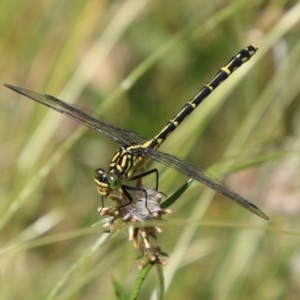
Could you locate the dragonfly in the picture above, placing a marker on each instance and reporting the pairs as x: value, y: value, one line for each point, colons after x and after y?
x: 134, y: 151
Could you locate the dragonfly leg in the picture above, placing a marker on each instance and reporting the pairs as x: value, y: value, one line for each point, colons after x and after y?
x: 102, y: 204
x: 125, y: 189
x: 144, y: 174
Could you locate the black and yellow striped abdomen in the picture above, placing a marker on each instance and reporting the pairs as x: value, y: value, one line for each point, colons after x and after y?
x: 233, y: 64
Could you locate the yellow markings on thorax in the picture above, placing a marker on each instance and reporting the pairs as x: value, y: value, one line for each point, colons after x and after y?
x: 136, y: 162
x: 126, y: 163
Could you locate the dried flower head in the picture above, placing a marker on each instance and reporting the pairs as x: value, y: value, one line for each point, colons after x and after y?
x: 144, y: 207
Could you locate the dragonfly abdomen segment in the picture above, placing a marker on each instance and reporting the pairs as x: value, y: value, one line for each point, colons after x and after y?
x: 171, y: 126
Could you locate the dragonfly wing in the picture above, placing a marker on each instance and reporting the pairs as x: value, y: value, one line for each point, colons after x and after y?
x: 82, y: 115
x: 186, y: 168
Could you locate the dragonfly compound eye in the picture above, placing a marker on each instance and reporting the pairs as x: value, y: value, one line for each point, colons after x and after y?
x: 113, y: 181
x: 100, y: 175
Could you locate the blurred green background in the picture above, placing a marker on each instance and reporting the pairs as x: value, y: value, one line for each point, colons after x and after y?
x: 136, y: 63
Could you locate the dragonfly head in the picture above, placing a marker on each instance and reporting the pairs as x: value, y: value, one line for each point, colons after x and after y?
x: 106, y: 182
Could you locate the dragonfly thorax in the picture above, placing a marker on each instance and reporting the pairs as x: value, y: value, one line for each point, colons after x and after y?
x: 127, y: 161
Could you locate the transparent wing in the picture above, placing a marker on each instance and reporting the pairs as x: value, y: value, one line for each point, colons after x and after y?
x: 82, y: 115
x: 184, y: 167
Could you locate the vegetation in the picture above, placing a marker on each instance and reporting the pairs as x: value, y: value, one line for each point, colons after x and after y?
x: 136, y: 63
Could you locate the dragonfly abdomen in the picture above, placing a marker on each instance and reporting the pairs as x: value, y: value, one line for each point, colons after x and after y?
x: 233, y: 64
